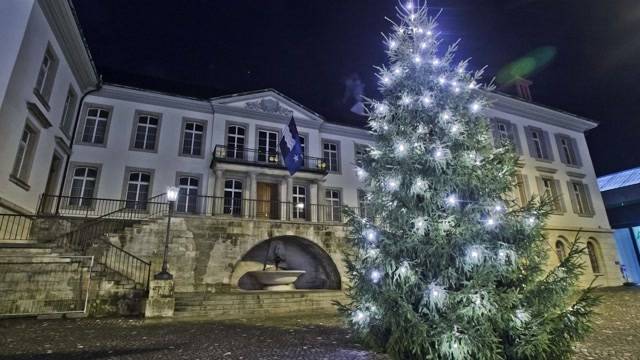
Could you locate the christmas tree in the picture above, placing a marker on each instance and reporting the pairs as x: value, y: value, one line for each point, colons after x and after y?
x: 445, y: 264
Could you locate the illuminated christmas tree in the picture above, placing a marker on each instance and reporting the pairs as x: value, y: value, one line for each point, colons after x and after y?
x: 446, y: 264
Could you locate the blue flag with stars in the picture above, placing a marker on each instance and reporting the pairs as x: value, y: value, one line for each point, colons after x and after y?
x: 291, y: 148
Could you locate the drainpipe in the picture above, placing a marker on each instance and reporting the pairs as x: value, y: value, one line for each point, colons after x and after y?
x: 73, y: 136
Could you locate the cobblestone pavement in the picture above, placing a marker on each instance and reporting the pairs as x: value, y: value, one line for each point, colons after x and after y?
x: 617, y: 336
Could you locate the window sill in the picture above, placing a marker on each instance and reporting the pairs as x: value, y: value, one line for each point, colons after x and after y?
x: 21, y: 183
x: 586, y: 215
x: 41, y: 99
x: 548, y: 161
x: 90, y: 144
x: 153, y: 151
x: 191, y: 156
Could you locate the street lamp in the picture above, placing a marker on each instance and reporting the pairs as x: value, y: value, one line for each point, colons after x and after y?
x: 172, y: 196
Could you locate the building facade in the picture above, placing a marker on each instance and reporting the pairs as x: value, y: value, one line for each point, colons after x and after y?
x: 621, y: 195
x: 127, y: 145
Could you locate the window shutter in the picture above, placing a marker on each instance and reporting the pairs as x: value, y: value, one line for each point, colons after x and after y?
x: 532, y: 151
x: 560, y: 196
x: 494, y: 131
x: 547, y: 146
x: 587, y: 194
x: 572, y: 196
x: 563, y: 158
x: 515, y: 137
x: 576, y: 152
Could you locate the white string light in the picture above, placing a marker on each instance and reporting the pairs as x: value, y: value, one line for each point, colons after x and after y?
x: 427, y: 100
x: 393, y: 184
x: 452, y: 200
x: 401, y: 149
x: 375, y: 276
x: 393, y: 44
x: 475, y: 107
x: 361, y: 173
x: 381, y: 108
x: 442, y: 80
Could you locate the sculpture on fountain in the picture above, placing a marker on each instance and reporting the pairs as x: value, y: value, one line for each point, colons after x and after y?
x: 278, y: 276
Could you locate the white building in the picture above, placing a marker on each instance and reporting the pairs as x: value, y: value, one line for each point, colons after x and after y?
x: 130, y: 144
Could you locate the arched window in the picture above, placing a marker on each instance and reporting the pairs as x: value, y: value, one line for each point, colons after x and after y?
x: 593, y: 257
x: 561, y: 250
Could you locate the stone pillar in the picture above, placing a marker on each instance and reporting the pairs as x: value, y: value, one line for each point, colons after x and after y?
x: 253, y: 195
x: 161, y: 301
x: 322, y: 211
x: 218, y: 193
x: 313, y: 201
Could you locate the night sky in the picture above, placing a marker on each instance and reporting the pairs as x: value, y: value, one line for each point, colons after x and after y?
x: 588, y: 52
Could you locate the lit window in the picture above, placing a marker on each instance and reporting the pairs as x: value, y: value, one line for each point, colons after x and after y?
x: 299, y: 202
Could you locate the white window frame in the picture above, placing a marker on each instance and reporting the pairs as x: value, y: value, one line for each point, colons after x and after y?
x: 189, y: 193
x: 82, y: 200
x: 66, y: 123
x: 191, y: 134
x: 98, y: 119
x: 229, y: 209
x: 148, y: 128
x: 333, y: 205
x: 299, y: 198
x: 139, y: 203
x: 266, y: 153
x: 326, y: 156
x: 233, y: 150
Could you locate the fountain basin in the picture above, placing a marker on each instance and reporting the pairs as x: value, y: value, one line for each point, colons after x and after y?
x: 277, y: 280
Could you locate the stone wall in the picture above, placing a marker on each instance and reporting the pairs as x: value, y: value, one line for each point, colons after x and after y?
x: 206, y: 254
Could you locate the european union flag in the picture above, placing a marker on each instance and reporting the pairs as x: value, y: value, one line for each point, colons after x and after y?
x: 290, y: 147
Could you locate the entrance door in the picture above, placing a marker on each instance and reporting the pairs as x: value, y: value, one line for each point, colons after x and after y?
x: 267, y: 201
x: 52, y: 184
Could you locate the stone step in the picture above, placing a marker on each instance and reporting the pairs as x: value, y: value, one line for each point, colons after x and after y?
x: 32, y: 259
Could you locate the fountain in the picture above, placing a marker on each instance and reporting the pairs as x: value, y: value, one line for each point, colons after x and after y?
x: 277, y: 277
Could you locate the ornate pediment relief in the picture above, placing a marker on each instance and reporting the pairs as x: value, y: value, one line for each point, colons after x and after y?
x: 271, y: 106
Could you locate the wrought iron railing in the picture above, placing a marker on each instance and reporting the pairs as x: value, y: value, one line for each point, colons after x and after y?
x: 91, y: 207
x: 260, y: 209
x: 90, y: 238
x: 264, y: 158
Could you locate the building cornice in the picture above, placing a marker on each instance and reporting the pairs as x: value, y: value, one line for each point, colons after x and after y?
x: 539, y: 113
x: 61, y: 18
x: 119, y: 92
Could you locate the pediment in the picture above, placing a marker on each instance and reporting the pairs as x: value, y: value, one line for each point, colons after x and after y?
x: 269, y: 102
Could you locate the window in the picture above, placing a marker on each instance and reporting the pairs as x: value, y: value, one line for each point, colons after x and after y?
x: 95, y: 126
x: 561, y: 251
x: 593, y: 257
x: 521, y: 188
x: 83, y: 186
x: 362, y: 203
x: 538, y: 144
x: 235, y: 142
x: 267, y: 146
x: 138, y: 190
x: 568, y: 150
x: 302, y: 148
x: 330, y: 156
x: 146, y: 132
x: 232, y: 197
x: 46, y: 75
x: 187, y: 194
x: 504, y: 132
x: 334, y: 208
x: 24, y: 156
x: 360, y: 152
x: 67, y: 112
x: 193, y: 138
x: 580, y: 198
x: 551, y: 188
x: 299, y: 202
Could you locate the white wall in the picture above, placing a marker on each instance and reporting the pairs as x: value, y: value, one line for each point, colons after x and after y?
x: 21, y: 82
x: 116, y: 156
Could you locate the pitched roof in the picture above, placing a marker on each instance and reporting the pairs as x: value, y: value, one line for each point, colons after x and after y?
x: 620, y: 179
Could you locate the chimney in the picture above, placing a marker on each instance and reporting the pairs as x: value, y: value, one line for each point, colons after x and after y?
x: 522, y: 88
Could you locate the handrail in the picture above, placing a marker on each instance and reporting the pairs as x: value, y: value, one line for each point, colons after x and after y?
x: 114, y: 257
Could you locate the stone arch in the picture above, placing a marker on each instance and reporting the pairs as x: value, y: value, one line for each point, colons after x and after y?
x: 594, y: 253
x: 301, y: 254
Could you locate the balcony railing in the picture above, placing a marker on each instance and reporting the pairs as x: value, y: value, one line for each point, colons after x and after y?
x: 262, y: 158
x: 261, y: 209
x: 96, y: 207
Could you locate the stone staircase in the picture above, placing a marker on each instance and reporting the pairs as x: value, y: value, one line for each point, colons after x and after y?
x: 38, y: 279
x: 241, y: 304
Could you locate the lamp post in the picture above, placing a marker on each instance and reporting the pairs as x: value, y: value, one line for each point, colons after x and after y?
x: 172, y: 195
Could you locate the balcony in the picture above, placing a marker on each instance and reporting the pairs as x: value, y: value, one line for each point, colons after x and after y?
x: 264, y: 159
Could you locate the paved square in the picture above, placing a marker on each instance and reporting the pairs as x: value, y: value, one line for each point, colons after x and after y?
x: 617, y: 336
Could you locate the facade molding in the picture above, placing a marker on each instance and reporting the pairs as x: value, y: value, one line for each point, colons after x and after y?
x: 144, y: 96
x: 66, y: 29
x: 38, y: 115
x: 535, y: 112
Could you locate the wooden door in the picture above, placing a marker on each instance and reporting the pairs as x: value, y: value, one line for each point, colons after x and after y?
x: 267, y: 201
